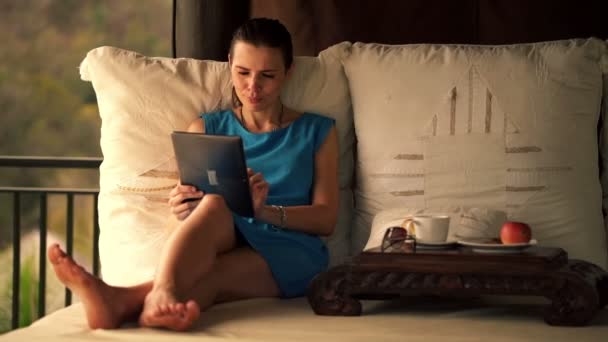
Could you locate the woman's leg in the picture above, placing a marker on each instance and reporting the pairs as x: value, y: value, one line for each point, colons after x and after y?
x: 106, y: 306
x: 241, y: 273
x: 190, y: 253
x: 238, y: 274
x: 187, y: 242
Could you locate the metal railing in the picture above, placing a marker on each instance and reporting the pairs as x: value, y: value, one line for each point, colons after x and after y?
x: 47, y: 162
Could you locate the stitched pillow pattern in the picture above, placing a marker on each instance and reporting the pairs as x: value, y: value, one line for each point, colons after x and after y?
x: 510, y: 127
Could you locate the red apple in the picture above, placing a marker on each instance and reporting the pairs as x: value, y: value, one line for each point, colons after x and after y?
x: 515, y: 232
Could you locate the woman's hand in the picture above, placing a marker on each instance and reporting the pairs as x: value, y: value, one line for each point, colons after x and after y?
x: 259, y: 190
x: 183, y: 199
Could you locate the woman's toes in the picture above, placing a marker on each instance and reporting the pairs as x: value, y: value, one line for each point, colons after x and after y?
x: 192, y: 305
x: 192, y: 310
x: 55, y: 254
x: 165, y: 309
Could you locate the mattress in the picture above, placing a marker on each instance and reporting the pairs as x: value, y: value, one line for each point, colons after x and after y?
x: 412, y: 319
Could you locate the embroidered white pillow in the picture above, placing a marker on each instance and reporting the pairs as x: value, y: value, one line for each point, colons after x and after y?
x: 508, y: 127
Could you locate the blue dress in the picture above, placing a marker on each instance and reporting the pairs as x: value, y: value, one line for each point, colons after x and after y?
x: 285, y: 157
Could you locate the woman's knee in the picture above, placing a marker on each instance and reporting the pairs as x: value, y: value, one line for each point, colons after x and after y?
x: 213, y: 218
x: 213, y: 203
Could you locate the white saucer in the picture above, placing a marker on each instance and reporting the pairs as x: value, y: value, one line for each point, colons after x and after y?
x: 435, y: 245
x: 481, y: 246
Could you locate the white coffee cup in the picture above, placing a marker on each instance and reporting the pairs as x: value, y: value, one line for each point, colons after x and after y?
x: 428, y: 228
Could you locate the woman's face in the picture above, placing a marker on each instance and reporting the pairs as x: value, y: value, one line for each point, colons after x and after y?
x: 257, y: 74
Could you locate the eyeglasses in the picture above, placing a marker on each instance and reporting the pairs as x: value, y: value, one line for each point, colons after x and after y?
x: 397, y: 240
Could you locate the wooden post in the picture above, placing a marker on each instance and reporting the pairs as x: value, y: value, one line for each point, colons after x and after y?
x: 203, y: 28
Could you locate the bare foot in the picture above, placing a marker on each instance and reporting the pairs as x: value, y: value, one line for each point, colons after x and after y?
x: 106, y: 307
x: 161, y: 309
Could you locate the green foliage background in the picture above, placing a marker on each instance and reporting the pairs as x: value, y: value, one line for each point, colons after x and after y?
x: 46, y: 110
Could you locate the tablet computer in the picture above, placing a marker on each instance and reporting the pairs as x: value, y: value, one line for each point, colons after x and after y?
x: 215, y: 164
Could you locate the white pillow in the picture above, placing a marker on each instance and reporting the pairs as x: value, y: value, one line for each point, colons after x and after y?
x: 141, y: 101
x: 508, y: 127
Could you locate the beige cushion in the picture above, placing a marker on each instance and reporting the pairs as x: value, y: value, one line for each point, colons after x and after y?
x: 269, y: 320
x: 141, y: 101
x: 506, y: 127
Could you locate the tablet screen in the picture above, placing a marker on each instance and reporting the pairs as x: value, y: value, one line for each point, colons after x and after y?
x: 215, y: 164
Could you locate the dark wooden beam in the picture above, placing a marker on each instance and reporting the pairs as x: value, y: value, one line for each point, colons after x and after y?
x: 203, y: 28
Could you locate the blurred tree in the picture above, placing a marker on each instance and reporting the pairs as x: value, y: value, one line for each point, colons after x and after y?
x: 45, y: 109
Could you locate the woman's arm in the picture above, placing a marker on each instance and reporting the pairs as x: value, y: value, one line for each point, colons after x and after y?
x: 321, y: 216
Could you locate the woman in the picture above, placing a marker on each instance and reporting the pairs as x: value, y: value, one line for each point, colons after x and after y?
x: 215, y: 255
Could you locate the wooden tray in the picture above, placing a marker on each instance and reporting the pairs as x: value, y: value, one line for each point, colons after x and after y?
x: 576, y: 289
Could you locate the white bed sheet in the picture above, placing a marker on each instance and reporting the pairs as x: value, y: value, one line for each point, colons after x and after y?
x: 422, y: 319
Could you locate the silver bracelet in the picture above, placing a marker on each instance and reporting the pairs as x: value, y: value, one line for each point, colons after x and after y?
x: 282, y: 214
